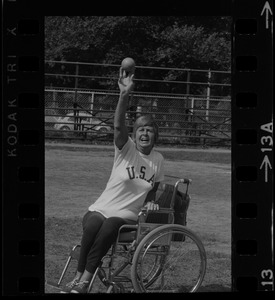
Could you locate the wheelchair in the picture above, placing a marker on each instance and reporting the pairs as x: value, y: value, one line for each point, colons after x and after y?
x: 157, y: 255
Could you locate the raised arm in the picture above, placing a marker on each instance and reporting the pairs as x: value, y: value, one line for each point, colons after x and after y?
x: 126, y: 85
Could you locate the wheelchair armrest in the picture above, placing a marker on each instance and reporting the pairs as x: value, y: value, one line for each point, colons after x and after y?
x: 130, y: 227
x: 161, y: 210
x: 144, y: 213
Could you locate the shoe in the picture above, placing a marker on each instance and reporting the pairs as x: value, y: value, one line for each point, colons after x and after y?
x: 68, y: 287
x: 80, y: 288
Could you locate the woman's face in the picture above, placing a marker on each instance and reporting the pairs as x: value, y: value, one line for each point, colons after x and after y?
x: 145, y: 138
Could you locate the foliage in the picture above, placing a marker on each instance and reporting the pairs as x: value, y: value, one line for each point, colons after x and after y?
x: 157, y: 41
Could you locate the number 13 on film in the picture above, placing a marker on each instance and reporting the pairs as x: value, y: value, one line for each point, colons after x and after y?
x: 267, y: 276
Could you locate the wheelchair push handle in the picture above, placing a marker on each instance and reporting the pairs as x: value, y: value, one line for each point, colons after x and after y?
x: 184, y: 180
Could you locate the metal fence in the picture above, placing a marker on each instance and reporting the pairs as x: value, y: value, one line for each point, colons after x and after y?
x: 183, y: 119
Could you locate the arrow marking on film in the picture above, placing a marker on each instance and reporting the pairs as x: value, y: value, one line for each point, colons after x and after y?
x: 266, y: 10
x: 266, y: 163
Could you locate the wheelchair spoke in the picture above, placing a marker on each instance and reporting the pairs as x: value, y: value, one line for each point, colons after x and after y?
x: 163, y: 263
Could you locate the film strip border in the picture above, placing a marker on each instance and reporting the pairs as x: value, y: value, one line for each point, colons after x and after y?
x: 252, y: 138
x: 23, y: 147
x: 23, y: 151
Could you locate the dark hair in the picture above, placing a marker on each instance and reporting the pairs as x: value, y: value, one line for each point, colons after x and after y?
x: 145, y: 120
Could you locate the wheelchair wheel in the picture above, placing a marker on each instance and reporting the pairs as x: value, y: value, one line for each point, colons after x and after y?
x: 170, y: 259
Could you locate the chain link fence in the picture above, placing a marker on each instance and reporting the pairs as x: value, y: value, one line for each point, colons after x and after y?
x: 190, y: 106
x: 182, y: 119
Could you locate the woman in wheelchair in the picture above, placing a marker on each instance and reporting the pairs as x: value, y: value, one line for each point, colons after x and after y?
x: 136, y: 173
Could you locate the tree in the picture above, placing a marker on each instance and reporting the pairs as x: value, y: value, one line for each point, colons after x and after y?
x: 168, y: 41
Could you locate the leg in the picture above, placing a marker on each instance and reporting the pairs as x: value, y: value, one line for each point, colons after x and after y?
x: 105, y: 238
x: 92, y: 222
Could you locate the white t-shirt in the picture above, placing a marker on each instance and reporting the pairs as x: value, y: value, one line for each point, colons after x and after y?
x: 133, y: 176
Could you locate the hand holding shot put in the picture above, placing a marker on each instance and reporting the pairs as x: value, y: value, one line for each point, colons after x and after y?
x: 125, y: 81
